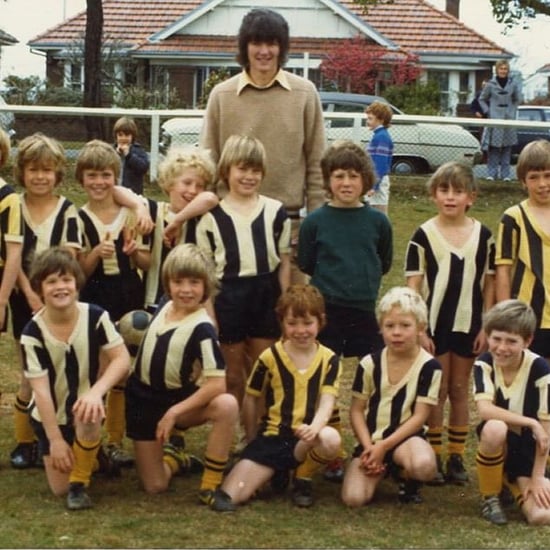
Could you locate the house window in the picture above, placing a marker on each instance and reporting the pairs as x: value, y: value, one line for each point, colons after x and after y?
x: 76, y: 81
x: 441, y: 78
x: 464, y: 86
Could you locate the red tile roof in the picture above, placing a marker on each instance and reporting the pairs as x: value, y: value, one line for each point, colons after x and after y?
x: 413, y: 25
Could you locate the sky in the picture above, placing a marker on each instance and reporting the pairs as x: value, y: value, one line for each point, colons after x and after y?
x: 25, y: 19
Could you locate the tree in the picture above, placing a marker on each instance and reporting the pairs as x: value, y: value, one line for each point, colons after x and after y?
x: 358, y: 66
x: 92, y: 65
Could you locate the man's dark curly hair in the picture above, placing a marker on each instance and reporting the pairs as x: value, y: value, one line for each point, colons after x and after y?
x: 262, y: 25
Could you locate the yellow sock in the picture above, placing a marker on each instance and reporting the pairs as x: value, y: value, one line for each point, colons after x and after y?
x: 85, y: 453
x: 22, y: 421
x: 457, y: 439
x: 311, y: 465
x: 173, y: 464
x: 489, y: 472
x: 213, y: 472
x: 336, y: 423
x: 435, y: 439
x: 115, y: 421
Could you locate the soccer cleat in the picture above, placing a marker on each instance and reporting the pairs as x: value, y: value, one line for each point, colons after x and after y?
x: 177, y: 441
x: 334, y: 470
x: 506, y: 497
x: 119, y: 456
x: 217, y: 500
x: 106, y: 465
x: 77, y: 497
x: 279, y: 481
x: 492, y: 511
x: 188, y: 463
x: 456, y: 473
x: 439, y: 478
x: 409, y: 492
x: 24, y: 455
x: 302, y: 492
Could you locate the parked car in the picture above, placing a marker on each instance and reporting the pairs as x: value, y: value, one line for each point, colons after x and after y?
x: 418, y: 147
x: 535, y: 113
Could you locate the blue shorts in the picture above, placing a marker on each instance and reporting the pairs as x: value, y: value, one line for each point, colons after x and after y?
x: 145, y: 406
x: 273, y: 451
x: 350, y: 332
x: 245, y: 308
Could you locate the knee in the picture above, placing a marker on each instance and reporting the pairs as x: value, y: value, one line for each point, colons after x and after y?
x: 330, y: 441
x: 225, y: 407
x: 353, y: 500
x: 493, y: 435
x: 154, y: 486
x: 538, y: 516
x: 423, y: 467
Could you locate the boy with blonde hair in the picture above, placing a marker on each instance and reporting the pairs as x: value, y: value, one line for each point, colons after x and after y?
x: 511, y: 389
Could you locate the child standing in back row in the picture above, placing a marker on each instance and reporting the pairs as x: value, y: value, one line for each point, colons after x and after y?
x: 248, y: 237
x: 450, y: 262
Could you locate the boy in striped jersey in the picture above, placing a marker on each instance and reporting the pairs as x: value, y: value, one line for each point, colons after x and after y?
x: 179, y: 349
x: 393, y: 392
x: 248, y: 237
x: 450, y: 262
x: 72, y: 356
x: 293, y: 387
x: 512, y: 395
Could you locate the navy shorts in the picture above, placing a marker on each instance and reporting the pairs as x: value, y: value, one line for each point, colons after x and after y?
x: 350, y: 332
x: 67, y: 431
x: 273, y: 451
x: 520, y: 453
x: 145, y: 406
x: 459, y: 343
x: 541, y: 342
x: 20, y: 311
x: 245, y: 308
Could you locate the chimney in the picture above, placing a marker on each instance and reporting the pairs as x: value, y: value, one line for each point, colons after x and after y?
x: 452, y: 7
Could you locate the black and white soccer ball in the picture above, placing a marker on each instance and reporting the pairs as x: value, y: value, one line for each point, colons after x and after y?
x: 132, y: 327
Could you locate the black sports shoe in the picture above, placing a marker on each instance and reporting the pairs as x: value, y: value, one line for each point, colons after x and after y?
x: 106, y: 466
x: 118, y: 455
x: 409, y: 492
x: 279, y: 481
x: 492, y: 511
x: 77, y: 497
x: 24, y: 455
x: 334, y: 470
x: 188, y: 463
x: 456, y: 473
x: 217, y: 500
x: 439, y: 478
x: 302, y: 492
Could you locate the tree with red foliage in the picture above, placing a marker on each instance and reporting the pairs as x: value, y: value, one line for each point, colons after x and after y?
x: 359, y: 66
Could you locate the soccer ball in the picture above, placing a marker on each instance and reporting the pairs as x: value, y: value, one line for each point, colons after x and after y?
x: 132, y: 327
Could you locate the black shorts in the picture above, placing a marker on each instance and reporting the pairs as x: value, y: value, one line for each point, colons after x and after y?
x: 117, y: 294
x: 145, y: 406
x: 460, y: 343
x: 541, y: 343
x: 20, y: 311
x: 67, y: 431
x: 245, y: 308
x: 273, y: 451
x: 350, y: 332
x: 520, y: 453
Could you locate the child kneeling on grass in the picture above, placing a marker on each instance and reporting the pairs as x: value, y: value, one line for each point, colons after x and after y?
x: 299, y: 379
x: 165, y: 391
x: 511, y: 390
x: 62, y: 345
x: 392, y: 394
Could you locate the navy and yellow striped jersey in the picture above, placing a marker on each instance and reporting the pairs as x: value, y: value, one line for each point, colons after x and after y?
x: 59, y: 228
x: 292, y: 396
x: 94, y: 231
x: 245, y: 245
x: 522, y: 244
x: 391, y: 405
x: 529, y: 392
x: 162, y: 215
x: 175, y: 355
x: 454, y: 278
x: 11, y: 221
x: 72, y: 367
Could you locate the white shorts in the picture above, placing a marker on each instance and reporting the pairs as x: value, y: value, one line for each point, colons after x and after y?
x: 382, y: 196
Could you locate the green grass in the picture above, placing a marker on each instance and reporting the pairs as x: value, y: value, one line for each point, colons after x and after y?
x: 124, y: 517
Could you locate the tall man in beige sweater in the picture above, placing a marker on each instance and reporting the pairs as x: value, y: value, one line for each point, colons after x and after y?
x: 279, y: 108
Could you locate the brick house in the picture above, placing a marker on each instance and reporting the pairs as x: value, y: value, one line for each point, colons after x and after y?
x: 176, y: 43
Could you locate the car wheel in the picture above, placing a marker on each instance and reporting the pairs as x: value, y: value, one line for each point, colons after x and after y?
x: 404, y: 167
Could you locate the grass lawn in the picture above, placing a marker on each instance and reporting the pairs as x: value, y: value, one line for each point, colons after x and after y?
x: 125, y: 517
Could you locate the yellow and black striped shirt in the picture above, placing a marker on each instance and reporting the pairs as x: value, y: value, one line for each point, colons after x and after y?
x: 522, y: 244
x: 391, y: 405
x: 291, y: 396
x: 11, y: 221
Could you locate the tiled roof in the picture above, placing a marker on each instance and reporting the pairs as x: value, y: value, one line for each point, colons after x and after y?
x: 414, y: 25
x: 422, y: 28
x: 7, y: 39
